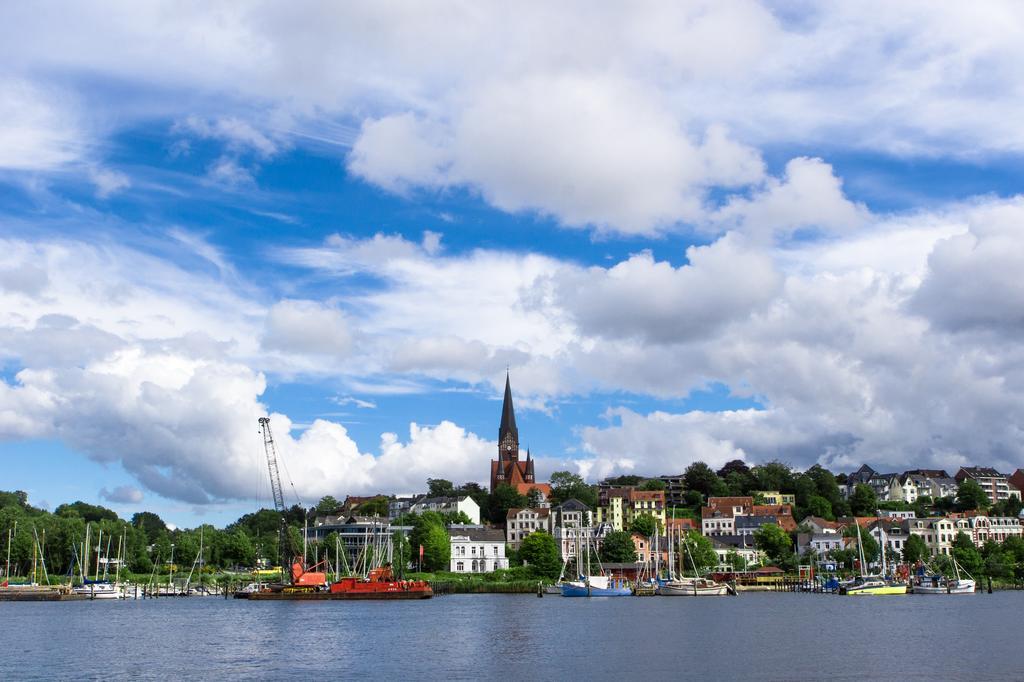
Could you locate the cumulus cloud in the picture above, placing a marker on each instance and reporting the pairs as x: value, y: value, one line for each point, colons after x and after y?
x: 809, y: 196
x: 530, y: 108
x: 307, y: 327
x: 655, y: 301
x: 122, y: 494
x: 973, y: 281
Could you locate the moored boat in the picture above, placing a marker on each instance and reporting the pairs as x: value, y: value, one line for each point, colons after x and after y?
x: 380, y: 584
x: 691, y: 587
x: 943, y: 584
x: 597, y: 586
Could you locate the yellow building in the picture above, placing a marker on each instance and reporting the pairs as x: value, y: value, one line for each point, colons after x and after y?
x: 622, y: 505
x: 774, y: 497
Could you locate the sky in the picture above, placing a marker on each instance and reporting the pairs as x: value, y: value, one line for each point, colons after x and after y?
x: 688, y: 231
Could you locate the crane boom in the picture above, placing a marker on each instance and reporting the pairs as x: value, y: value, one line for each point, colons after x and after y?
x: 275, y: 486
x: 275, y: 476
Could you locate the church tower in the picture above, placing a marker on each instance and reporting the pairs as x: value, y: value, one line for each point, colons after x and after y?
x: 508, y: 469
x: 508, y: 434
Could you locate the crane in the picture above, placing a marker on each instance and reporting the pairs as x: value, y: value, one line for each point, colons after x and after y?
x: 298, y: 575
x: 275, y: 476
x: 278, y: 492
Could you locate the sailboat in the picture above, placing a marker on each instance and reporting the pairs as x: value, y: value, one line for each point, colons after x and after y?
x: 872, y: 584
x: 942, y: 584
x: 696, y: 586
x: 98, y: 588
x: 593, y: 585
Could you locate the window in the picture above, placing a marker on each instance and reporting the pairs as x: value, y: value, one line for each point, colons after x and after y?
x: 459, y: 566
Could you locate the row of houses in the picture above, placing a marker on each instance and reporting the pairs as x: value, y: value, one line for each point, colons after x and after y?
x: 914, y: 484
x: 894, y: 529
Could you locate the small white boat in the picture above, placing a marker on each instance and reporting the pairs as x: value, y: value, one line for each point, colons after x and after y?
x: 99, y: 590
x: 942, y: 584
x: 693, y: 587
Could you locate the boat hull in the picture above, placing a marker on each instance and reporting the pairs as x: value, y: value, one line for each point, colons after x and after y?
x: 963, y: 587
x: 323, y: 595
x: 693, y: 591
x: 874, y: 590
x: 580, y: 589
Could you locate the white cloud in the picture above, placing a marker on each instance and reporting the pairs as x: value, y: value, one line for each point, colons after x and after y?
x: 108, y: 181
x: 809, y: 196
x: 39, y: 128
x: 122, y: 494
x: 655, y: 301
x: 307, y: 327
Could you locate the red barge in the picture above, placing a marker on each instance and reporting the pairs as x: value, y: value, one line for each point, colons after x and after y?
x: 380, y: 584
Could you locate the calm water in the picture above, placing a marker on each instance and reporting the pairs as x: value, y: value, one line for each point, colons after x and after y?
x: 754, y: 636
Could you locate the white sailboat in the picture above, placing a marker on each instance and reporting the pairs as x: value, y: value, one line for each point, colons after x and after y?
x: 942, y: 584
x: 690, y: 587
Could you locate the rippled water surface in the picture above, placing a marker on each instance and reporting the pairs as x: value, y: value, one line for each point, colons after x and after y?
x: 754, y: 637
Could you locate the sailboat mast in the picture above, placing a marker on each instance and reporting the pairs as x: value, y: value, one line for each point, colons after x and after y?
x: 7, y: 570
x: 99, y: 544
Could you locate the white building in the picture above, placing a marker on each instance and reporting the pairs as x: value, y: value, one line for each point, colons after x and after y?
x: 477, y: 550
x: 443, y: 505
x: 569, y: 525
x: 521, y: 522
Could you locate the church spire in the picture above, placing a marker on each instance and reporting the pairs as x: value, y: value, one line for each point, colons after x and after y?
x: 508, y: 416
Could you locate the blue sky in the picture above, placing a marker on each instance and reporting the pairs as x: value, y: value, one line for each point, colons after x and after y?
x: 800, y: 246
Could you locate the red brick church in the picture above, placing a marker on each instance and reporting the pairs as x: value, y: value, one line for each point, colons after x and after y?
x: 508, y: 469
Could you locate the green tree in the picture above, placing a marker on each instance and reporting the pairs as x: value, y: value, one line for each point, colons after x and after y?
x: 151, y: 524
x: 774, y: 476
x: 700, y: 477
x: 970, y: 495
x: 89, y: 512
x: 915, y: 549
x: 617, y: 547
x: 626, y: 480
x: 327, y: 505
x: 966, y: 554
x: 819, y: 506
x: 420, y: 525
x: 645, y: 524
x: 697, y: 551
x: 439, y: 487
x: 437, y: 550
x: 864, y: 501
x: 653, y: 484
x: 774, y: 542
x: 539, y: 552
x: 566, y: 485
x: 505, y: 497
x: 737, y: 466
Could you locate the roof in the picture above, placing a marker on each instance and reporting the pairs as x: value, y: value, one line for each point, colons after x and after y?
x: 443, y: 500
x: 541, y: 512
x: 480, y: 534
x: 928, y: 473
x: 524, y: 488
x: 732, y: 541
x: 572, y: 504
x: 508, y: 415
x: 820, y: 522
x: 744, y: 501
x: 754, y: 521
x: 981, y: 472
x: 769, y: 569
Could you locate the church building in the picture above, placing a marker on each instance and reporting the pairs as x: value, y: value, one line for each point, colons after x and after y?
x: 508, y: 469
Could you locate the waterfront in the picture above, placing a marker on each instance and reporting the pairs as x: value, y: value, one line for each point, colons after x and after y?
x: 754, y: 636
